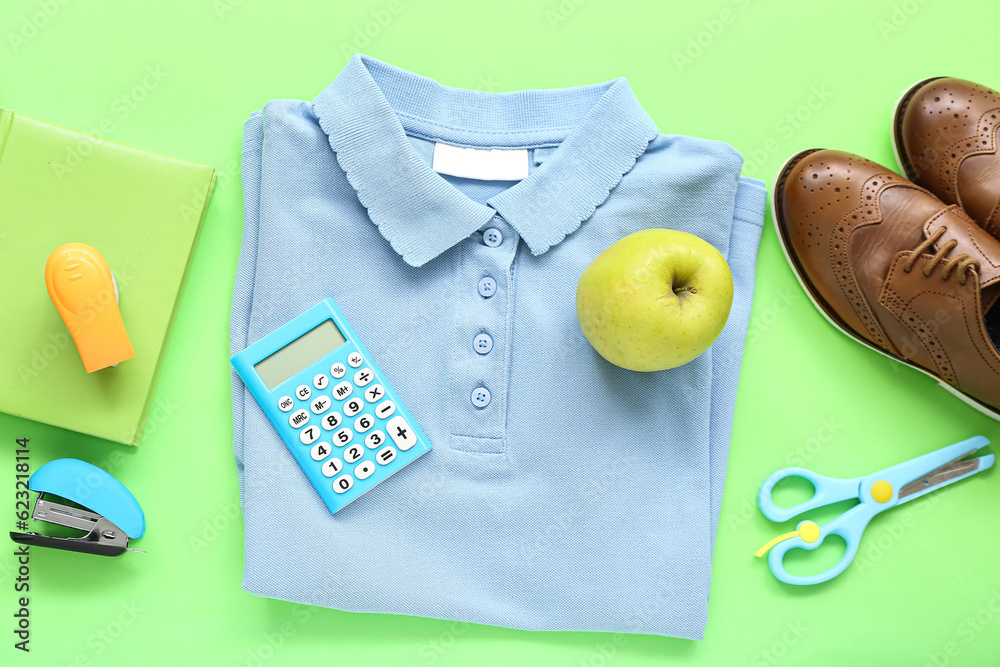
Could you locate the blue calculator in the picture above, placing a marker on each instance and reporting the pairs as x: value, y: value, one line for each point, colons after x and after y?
x: 331, y: 404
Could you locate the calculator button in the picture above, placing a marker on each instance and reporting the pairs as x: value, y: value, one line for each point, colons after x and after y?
x: 353, y: 407
x: 363, y: 423
x: 342, y: 390
x: 321, y: 381
x: 374, y: 439
x: 374, y: 393
x: 385, y: 409
x: 303, y: 392
x: 364, y: 470
x: 320, y: 451
x: 342, y: 437
x: 386, y: 455
x: 338, y: 370
x: 298, y: 419
x: 286, y: 403
x: 343, y: 483
x: 331, y: 421
x: 321, y: 405
x: 401, y: 433
x: 353, y: 453
x: 364, y: 377
x: 332, y: 467
x: 355, y: 359
x: 309, y: 435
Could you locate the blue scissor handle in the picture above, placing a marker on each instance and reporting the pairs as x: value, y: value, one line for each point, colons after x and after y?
x: 850, y: 525
x: 829, y: 490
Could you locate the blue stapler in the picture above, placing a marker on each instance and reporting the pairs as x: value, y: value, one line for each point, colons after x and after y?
x: 109, y: 514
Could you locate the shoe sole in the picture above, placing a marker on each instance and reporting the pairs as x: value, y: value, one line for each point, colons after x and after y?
x: 895, y: 130
x: 827, y: 312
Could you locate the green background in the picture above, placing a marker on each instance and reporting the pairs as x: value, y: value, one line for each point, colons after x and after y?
x: 925, y: 588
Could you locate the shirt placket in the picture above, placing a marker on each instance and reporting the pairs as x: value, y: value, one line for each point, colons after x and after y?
x: 480, y: 357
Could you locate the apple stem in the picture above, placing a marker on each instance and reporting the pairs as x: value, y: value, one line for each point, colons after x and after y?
x: 693, y: 290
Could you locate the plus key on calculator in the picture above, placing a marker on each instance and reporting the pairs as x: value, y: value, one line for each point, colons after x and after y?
x: 331, y: 404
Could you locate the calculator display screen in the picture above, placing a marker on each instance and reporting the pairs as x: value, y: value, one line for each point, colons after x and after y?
x: 299, y: 354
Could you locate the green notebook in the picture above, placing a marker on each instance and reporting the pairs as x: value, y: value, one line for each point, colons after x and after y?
x: 143, y: 212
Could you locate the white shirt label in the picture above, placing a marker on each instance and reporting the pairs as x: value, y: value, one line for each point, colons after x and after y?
x: 482, y: 164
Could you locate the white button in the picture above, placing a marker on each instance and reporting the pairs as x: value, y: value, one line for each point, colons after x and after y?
x: 480, y: 397
x: 332, y: 467
x: 338, y: 370
x: 320, y: 451
x: 321, y: 381
x: 321, y: 405
x: 303, y: 392
x: 342, y: 437
x: 353, y: 407
x: 343, y: 483
x: 364, y: 470
x: 353, y: 453
x: 298, y: 419
x: 363, y: 423
x: 374, y: 439
x: 483, y: 343
x: 386, y: 455
x: 309, y: 435
x: 385, y: 409
x: 487, y: 287
x: 374, y: 393
x: 492, y: 237
x: 342, y: 390
x: 331, y: 421
x: 285, y: 403
x: 355, y: 359
x: 401, y: 433
x: 364, y: 377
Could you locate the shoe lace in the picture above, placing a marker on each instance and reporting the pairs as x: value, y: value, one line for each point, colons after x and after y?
x: 962, y: 262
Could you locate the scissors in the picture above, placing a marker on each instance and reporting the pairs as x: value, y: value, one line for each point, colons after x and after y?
x: 877, y: 492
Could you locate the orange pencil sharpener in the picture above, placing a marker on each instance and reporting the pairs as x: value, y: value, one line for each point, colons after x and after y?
x: 84, y: 292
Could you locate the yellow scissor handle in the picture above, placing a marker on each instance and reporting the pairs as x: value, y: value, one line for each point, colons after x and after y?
x: 807, y: 530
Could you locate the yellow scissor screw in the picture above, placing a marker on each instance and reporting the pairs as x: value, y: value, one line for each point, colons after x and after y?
x: 807, y: 530
x: 882, y: 491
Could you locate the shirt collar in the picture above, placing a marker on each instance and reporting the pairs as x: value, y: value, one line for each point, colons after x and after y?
x: 601, y: 130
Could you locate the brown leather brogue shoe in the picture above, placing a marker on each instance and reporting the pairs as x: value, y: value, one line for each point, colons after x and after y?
x: 894, y: 267
x: 945, y: 137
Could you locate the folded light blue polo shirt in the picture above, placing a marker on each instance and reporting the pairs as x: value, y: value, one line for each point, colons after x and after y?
x: 562, y: 493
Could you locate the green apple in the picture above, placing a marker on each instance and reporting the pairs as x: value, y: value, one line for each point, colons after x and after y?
x: 654, y: 300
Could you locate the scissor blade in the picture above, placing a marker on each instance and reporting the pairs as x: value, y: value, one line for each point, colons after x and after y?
x: 945, y: 475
